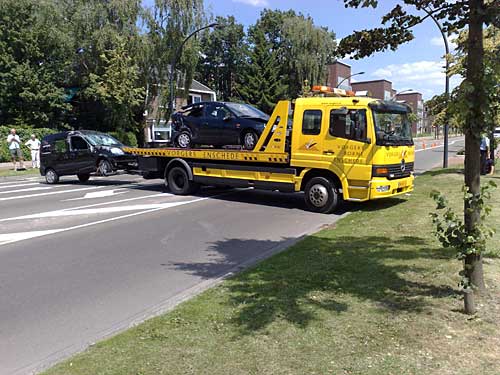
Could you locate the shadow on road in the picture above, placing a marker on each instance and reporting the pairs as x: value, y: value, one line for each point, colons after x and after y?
x: 322, y: 272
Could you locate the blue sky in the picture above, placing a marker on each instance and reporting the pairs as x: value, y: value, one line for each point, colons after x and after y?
x: 416, y: 65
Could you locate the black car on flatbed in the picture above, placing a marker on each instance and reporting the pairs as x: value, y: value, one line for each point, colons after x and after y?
x: 218, y: 124
x: 81, y: 153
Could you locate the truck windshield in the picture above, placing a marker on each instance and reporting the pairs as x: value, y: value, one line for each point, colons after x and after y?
x: 392, y: 126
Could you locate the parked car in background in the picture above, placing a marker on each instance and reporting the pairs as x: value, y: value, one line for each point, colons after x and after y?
x: 81, y: 153
x: 218, y: 124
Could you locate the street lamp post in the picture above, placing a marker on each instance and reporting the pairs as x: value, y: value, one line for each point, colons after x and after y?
x: 447, y: 87
x: 401, y: 92
x: 174, y: 62
x: 345, y: 79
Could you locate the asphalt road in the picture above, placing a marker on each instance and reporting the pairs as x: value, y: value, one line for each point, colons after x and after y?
x: 79, y: 262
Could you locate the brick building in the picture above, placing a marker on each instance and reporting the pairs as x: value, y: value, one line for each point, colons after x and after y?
x: 379, y: 88
x: 338, y: 72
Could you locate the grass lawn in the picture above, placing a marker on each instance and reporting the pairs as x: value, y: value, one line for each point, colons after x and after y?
x: 11, y: 172
x: 374, y: 295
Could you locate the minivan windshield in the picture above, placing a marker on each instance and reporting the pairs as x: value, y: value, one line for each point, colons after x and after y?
x: 392, y: 125
x: 247, y: 111
x: 101, y: 139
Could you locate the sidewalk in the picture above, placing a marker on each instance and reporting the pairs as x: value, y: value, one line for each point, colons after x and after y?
x: 7, y: 170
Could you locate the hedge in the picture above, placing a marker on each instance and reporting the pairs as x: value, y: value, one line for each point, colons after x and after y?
x: 24, y: 133
x: 127, y: 138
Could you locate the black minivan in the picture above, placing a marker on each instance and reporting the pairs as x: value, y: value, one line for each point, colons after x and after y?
x: 82, y: 152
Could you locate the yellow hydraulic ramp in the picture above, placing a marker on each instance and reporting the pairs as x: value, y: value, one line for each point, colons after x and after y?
x: 270, y: 147
x: 274, y: 140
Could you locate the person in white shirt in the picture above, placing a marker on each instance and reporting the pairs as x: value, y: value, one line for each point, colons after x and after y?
x: 34, y: 146
x: 15, y: 148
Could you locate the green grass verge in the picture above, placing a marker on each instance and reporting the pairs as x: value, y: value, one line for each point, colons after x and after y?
x: 374, y: 295
x: 11, y: 172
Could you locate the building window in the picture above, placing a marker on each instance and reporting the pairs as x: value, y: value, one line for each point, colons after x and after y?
x: 311, y: 122
x: 194, y: 98
x: 387, y: 95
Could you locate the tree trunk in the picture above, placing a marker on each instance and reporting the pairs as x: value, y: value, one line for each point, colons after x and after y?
x: 474, y: 124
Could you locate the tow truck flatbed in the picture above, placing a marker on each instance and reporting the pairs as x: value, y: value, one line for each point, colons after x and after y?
x: 213, y: 154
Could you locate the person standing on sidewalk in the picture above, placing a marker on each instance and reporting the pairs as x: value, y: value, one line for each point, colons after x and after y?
x: 34, y: 146
x: 484, y: 148
x: 15, y: 149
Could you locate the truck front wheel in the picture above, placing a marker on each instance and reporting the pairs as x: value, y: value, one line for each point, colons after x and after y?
x: 179, y: 183
x: 321, y: 195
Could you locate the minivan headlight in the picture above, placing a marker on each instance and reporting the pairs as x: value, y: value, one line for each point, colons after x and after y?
x: 117, y: 151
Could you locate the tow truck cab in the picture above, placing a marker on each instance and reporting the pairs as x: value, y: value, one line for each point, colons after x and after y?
x: 364, y: 143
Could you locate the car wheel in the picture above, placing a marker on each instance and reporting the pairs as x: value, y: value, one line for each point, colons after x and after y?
x: 104, y: 168
x: 179, y: 183
x: 51, y: 176
x: 321, y: 195
x: 184, y: 140
x: 250, y: 139
x: 83, y: 177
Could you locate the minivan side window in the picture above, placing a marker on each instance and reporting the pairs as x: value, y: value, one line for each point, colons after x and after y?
x: 60, y: 145
x: 350, y: 126
x: 78, y: 143
x: 311, y: 122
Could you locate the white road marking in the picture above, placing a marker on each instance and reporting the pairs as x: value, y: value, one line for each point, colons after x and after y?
x: 18, y: 185
x: 49, y: 193
x: 28, y: 189
x: 10, y: 238
x: 120, y: 200
x: 98, y: 194
x: 91, y: 211
x: 13, y: 237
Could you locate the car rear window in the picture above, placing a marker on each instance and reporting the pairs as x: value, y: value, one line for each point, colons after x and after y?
x: 196, y: 111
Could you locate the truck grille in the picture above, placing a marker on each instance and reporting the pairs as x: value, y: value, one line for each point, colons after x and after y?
x: 394, y: 171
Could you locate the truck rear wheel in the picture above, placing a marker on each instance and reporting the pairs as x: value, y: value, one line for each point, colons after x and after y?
x: 179, y: 183
x: 321, y: 195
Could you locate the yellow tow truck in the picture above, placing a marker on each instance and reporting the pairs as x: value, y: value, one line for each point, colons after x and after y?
x: 338, y: 147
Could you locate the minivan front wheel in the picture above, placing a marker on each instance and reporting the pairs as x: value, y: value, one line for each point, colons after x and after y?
x: 51, y: 176
x: 104, y: 168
